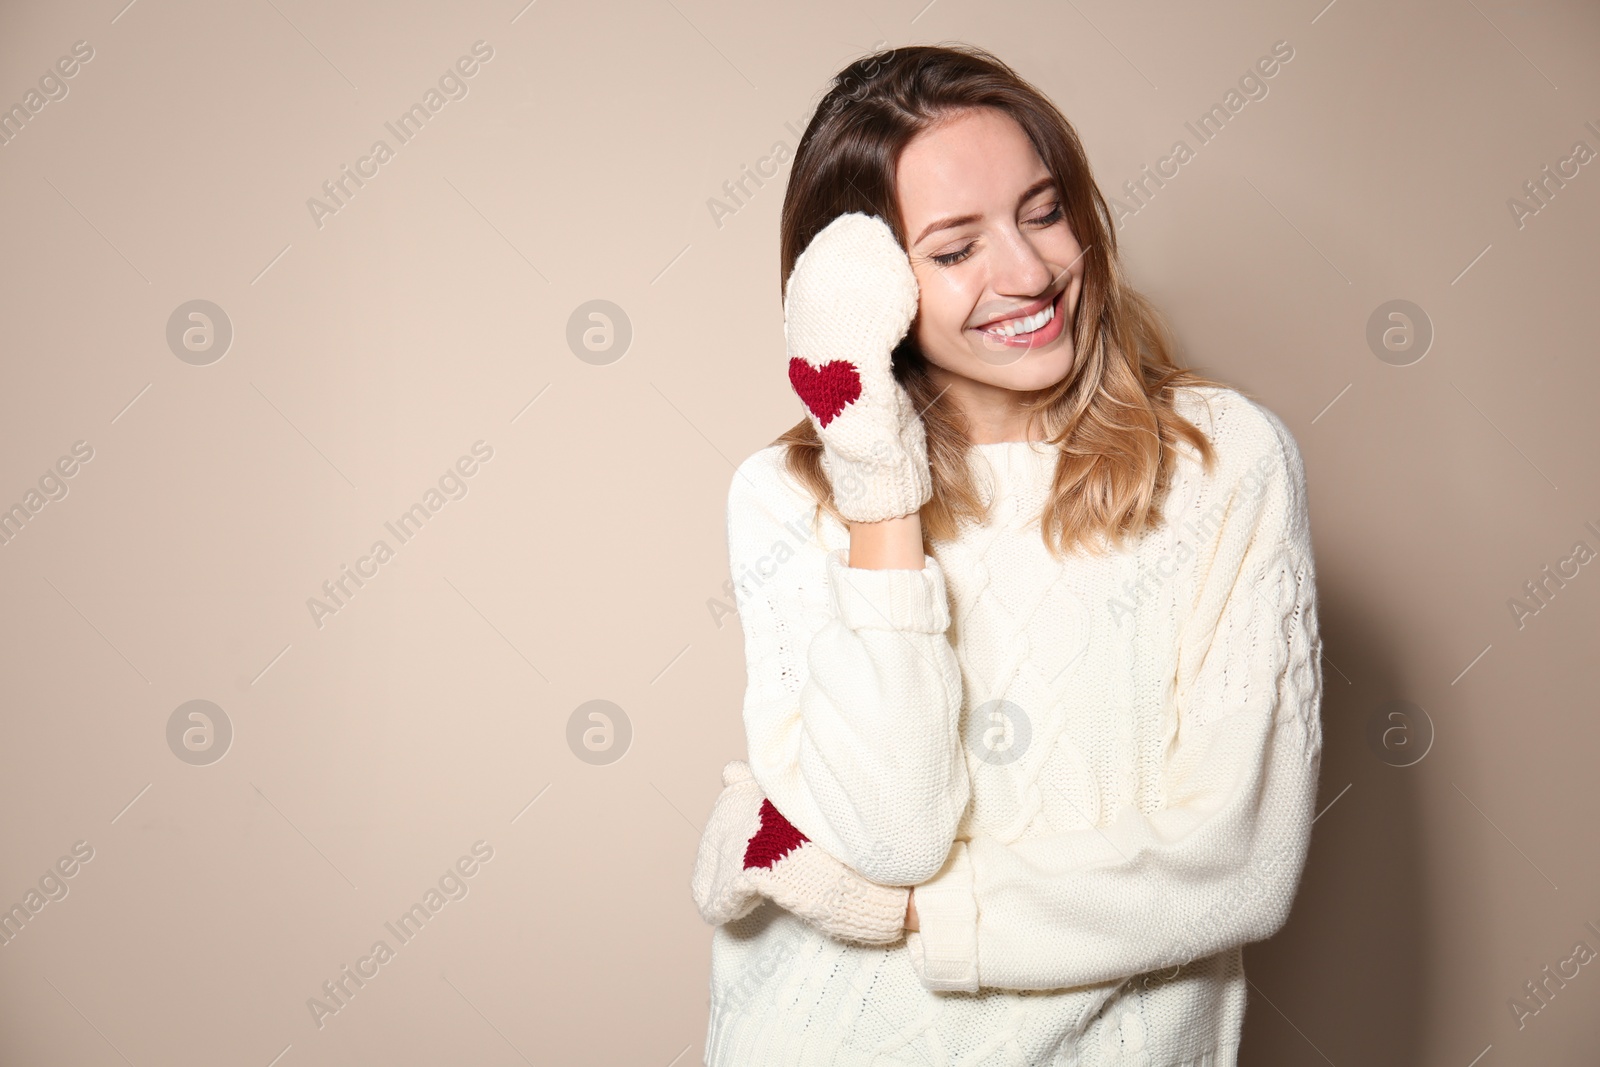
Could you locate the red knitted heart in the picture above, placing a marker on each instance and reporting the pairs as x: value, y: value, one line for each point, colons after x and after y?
x: 828, y: 390
x: 776, y: 839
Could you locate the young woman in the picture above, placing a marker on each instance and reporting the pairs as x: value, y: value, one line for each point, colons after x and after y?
x: 1029, y: 616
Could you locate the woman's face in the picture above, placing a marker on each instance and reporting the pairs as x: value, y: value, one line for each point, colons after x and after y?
x: 990, y: 243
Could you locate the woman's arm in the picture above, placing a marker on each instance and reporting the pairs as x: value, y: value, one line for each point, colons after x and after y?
x: 1219, y: 864
x: 892, y: 543
x: 853, y: 694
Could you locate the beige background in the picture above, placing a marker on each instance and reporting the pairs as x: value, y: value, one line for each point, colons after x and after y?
x: 432, y: 711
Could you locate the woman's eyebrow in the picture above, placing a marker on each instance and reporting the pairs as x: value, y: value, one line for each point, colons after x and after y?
x: 961, y: 220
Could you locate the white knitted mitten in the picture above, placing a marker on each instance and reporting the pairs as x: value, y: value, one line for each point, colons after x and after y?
x: 749, y: 851
x: 847, y: 303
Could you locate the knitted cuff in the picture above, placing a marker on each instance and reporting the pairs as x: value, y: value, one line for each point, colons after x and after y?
x: 897, y: 482
x: 869, y: 598
x: 833, y: 897
x: 867, y: 912
x: 944, y: 951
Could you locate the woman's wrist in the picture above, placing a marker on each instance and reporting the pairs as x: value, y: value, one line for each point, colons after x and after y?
x: 893, y: 544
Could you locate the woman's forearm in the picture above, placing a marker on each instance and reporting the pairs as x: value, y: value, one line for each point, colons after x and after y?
x: 893, y: 544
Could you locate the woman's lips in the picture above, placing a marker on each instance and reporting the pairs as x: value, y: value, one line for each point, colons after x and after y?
x: 1042, y: 336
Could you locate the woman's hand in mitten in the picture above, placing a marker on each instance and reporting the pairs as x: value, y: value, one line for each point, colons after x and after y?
x: 749, y: 850
x: 848, y: 302
x: 721, y: 890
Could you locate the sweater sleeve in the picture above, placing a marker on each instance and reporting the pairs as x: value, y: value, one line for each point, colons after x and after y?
x: 853, y: 692
x: 1219, y: 863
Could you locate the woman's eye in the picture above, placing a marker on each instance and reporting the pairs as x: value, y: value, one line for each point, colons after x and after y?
x: 950, y: 259
x: 1051, y: 219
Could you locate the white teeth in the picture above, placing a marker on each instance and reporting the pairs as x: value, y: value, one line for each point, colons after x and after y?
x: 1013, y: 327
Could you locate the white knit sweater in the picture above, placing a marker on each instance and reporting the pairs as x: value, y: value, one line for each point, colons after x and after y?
x: 1099, y: 773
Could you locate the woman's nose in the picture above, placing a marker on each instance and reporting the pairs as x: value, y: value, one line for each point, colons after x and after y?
x: 1018, y: 268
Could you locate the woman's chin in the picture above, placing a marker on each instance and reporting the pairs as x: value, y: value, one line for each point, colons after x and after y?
x: 1034, y: 370
x: 1020, y: 370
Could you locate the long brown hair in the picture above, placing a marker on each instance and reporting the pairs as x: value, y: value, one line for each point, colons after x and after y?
x: 1112, y: 415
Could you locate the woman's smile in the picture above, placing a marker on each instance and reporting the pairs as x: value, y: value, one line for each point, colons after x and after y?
x: 1034, y: 326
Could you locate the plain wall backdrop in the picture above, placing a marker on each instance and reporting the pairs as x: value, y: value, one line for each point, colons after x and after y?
x: 546, y: 325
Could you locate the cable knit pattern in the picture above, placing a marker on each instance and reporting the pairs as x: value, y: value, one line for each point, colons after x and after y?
x: 1099, y: 772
